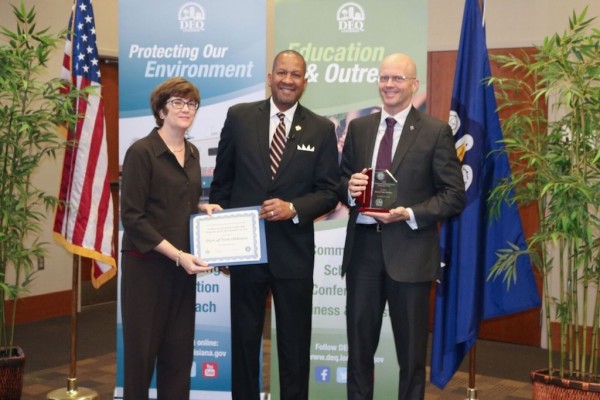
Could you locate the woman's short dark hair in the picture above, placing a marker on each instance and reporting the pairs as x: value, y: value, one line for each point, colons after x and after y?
x: 174, y: 87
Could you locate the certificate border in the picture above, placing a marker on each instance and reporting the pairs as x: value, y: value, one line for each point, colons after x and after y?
x: 258, y: 227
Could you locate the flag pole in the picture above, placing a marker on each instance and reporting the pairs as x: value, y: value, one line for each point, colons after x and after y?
x: 472, y: 390
x: 72, y: 392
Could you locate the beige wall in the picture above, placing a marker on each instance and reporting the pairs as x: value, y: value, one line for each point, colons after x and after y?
x: 510, y: 23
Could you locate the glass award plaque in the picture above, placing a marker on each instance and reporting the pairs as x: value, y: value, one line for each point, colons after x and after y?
x: 380, y: 194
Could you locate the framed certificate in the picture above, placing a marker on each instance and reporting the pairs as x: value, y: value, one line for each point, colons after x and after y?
x: 229, y: 237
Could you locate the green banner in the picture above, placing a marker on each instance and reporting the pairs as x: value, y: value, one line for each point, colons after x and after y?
x: 343, y: 44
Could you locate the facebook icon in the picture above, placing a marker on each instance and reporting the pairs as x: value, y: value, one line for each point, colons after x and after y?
x: 322, y: 374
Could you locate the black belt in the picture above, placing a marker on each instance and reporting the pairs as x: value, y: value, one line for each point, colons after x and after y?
x: 371, y: 227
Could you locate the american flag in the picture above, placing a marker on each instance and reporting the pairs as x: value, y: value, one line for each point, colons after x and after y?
x: 84, y: 220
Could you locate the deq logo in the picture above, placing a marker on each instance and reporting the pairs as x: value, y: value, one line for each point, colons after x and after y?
x: 191, y: 17
x: 351, y: 18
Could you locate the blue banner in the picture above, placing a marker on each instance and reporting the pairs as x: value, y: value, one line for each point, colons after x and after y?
x: 221, y: 48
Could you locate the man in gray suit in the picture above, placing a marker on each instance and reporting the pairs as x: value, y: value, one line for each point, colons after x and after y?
x: 394, y: 256
x: 293, y: 186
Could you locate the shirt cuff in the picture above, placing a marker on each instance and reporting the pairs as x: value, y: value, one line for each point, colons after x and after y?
x: 412, y: 222
x: 351, y: 200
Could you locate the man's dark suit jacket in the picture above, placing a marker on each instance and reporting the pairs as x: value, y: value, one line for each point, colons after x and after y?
x: 308, y: 176
x: 429, y: 181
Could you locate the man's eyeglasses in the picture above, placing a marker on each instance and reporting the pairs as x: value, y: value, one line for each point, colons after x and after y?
x: 395, y: 78
x: 178, y: 104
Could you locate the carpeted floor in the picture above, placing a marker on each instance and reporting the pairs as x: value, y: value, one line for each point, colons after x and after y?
x: 502, y: 369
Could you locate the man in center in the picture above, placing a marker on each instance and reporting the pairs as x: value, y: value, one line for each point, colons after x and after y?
x: 277, y: 154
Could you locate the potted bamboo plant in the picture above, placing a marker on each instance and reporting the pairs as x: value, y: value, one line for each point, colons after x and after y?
x: 30, y: 112
x: 555, y: 151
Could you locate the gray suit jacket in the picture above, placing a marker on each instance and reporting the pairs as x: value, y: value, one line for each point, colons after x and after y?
x: 429, y: 181
x: 308, y: 176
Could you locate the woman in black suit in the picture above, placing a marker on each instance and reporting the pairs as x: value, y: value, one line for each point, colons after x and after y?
x: 160, y: 189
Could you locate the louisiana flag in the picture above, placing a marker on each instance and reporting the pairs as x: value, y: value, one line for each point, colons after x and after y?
x: 470, y: 241
x: 84, y: 219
